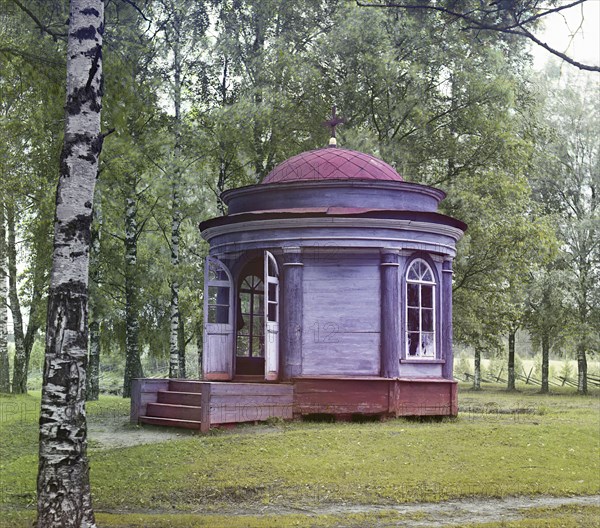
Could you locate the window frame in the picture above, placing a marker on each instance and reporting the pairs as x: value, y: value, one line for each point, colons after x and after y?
x: 420, y: 282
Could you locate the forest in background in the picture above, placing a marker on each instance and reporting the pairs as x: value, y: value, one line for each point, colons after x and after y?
x: 201, y: 97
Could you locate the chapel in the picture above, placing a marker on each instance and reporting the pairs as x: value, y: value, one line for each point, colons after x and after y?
x: 328, y: 287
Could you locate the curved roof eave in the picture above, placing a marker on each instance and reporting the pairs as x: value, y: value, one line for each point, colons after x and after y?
x: 322, y: 212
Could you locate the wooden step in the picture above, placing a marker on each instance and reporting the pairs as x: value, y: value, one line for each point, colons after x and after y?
x: 179, y: 398
x: 185, y: 386
x: 178, y: 412
x: 170, y: 422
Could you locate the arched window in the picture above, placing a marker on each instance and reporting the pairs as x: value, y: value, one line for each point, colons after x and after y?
x: 420, y: 310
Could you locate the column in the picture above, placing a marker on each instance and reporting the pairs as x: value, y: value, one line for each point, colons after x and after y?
x: 291, y: 312
x: 390, y: 317
x: 446, y: 320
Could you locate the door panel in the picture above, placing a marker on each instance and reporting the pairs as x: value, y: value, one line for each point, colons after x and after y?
x: 217, y: 357
x: 271, y: 318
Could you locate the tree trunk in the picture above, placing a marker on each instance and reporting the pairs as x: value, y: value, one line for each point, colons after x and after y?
x: 4, y: 366
x: 581, y: 369
x: 477, y: 377
x: 545, y: 362
x: 174, y: 361
x: 92, y: 391
x: 19, y: 383
x: 133, y: 364
x: 181, y: 349
x: 64, y: 499
x: 174, y: 364
x: 511, y: 360
x: 34, y: 323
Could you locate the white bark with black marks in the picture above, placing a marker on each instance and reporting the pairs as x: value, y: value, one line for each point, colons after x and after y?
x: 133, y: 364
x: 174, y: 364
x: 93, y: 369
x: 63, y: 487
x: 19, y: 381
x: 4, y: 366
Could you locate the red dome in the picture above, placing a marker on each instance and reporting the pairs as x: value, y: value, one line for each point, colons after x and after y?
x: 332, y: 164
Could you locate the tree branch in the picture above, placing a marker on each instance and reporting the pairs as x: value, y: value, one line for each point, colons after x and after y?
x: 517, y: 28
x: 37, y: 21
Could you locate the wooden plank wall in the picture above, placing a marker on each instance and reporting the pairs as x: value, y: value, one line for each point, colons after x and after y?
x: 424, y: 398
x: 336, y: 396
x: 248, y: 402
x: 143, y: 392
x: 342, y: 310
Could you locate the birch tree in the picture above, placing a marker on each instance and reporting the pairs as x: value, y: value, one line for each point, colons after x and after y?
x: 4, y: 366
x: 19, y: 382
x: 64, y: 498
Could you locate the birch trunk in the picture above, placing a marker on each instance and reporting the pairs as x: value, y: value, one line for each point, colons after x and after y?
x: 133, y: 364
x: 511, y: 360
x: 181, y: 338
x: 477, y: 370
x: 34, y: 323
x: 64, y: 498
x: 4, y: 366
x: 545, y: 362
x: 174, y: 362
x: 92, y: 391
x: 19, y: 382
x: 174, y: 359
x: 581, y: 369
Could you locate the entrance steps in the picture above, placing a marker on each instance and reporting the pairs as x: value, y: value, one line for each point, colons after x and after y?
x: 202, y: 404
x: 179, y: 405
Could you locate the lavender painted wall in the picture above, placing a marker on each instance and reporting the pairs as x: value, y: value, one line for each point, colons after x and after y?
x: 341, y: 318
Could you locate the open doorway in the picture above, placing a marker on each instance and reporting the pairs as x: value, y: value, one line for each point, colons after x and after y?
x: 250, y: 335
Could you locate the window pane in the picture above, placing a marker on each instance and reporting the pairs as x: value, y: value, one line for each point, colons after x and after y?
x: 216, y: 272
x: 272, y: 272
x: 272, y: 312
x: 413, y: 273
x: 245, y: 303
x: 257, y: 325
x: 413, y: 342
x: 218, y: 295
x: 272, y: 292
x: 413, y: 319
x: 428, y: 345
x: 212, y: 314
x: 243, y: 346
x: 426, y: 274
x: 258, y: 347
x: 259, y: 304
x: 212, y: 294
x: 426, y: 296
x: 412, y: 294
x: 427, y: 320
x: 222, y: 314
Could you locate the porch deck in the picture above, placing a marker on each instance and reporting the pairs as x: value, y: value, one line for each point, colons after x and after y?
x: 196, y: 404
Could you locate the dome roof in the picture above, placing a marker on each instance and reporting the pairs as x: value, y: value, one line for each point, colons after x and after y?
x: 332, y: 163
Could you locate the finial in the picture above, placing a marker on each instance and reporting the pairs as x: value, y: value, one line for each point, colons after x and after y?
x: 332, y: 123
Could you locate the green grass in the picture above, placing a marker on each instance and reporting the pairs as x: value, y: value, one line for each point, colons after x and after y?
x: 502, y: 444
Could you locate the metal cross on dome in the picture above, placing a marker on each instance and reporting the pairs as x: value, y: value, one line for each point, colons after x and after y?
x: 332, y: 123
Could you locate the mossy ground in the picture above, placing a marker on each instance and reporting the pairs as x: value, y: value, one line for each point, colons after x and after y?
x: 502, y: 444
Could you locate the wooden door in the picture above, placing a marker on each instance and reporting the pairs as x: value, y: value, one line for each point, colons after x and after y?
x: 271, y: 317
x: 217, y: 357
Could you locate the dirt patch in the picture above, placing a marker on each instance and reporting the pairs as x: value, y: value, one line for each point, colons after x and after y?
x: 109, y: 437
x: 414, y: 515
x: 466, y: 511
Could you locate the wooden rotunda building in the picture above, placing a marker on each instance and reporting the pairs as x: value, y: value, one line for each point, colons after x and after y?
x: 328, y: 289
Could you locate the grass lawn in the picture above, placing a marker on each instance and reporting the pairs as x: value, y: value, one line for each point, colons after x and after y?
x: 324, y: 474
